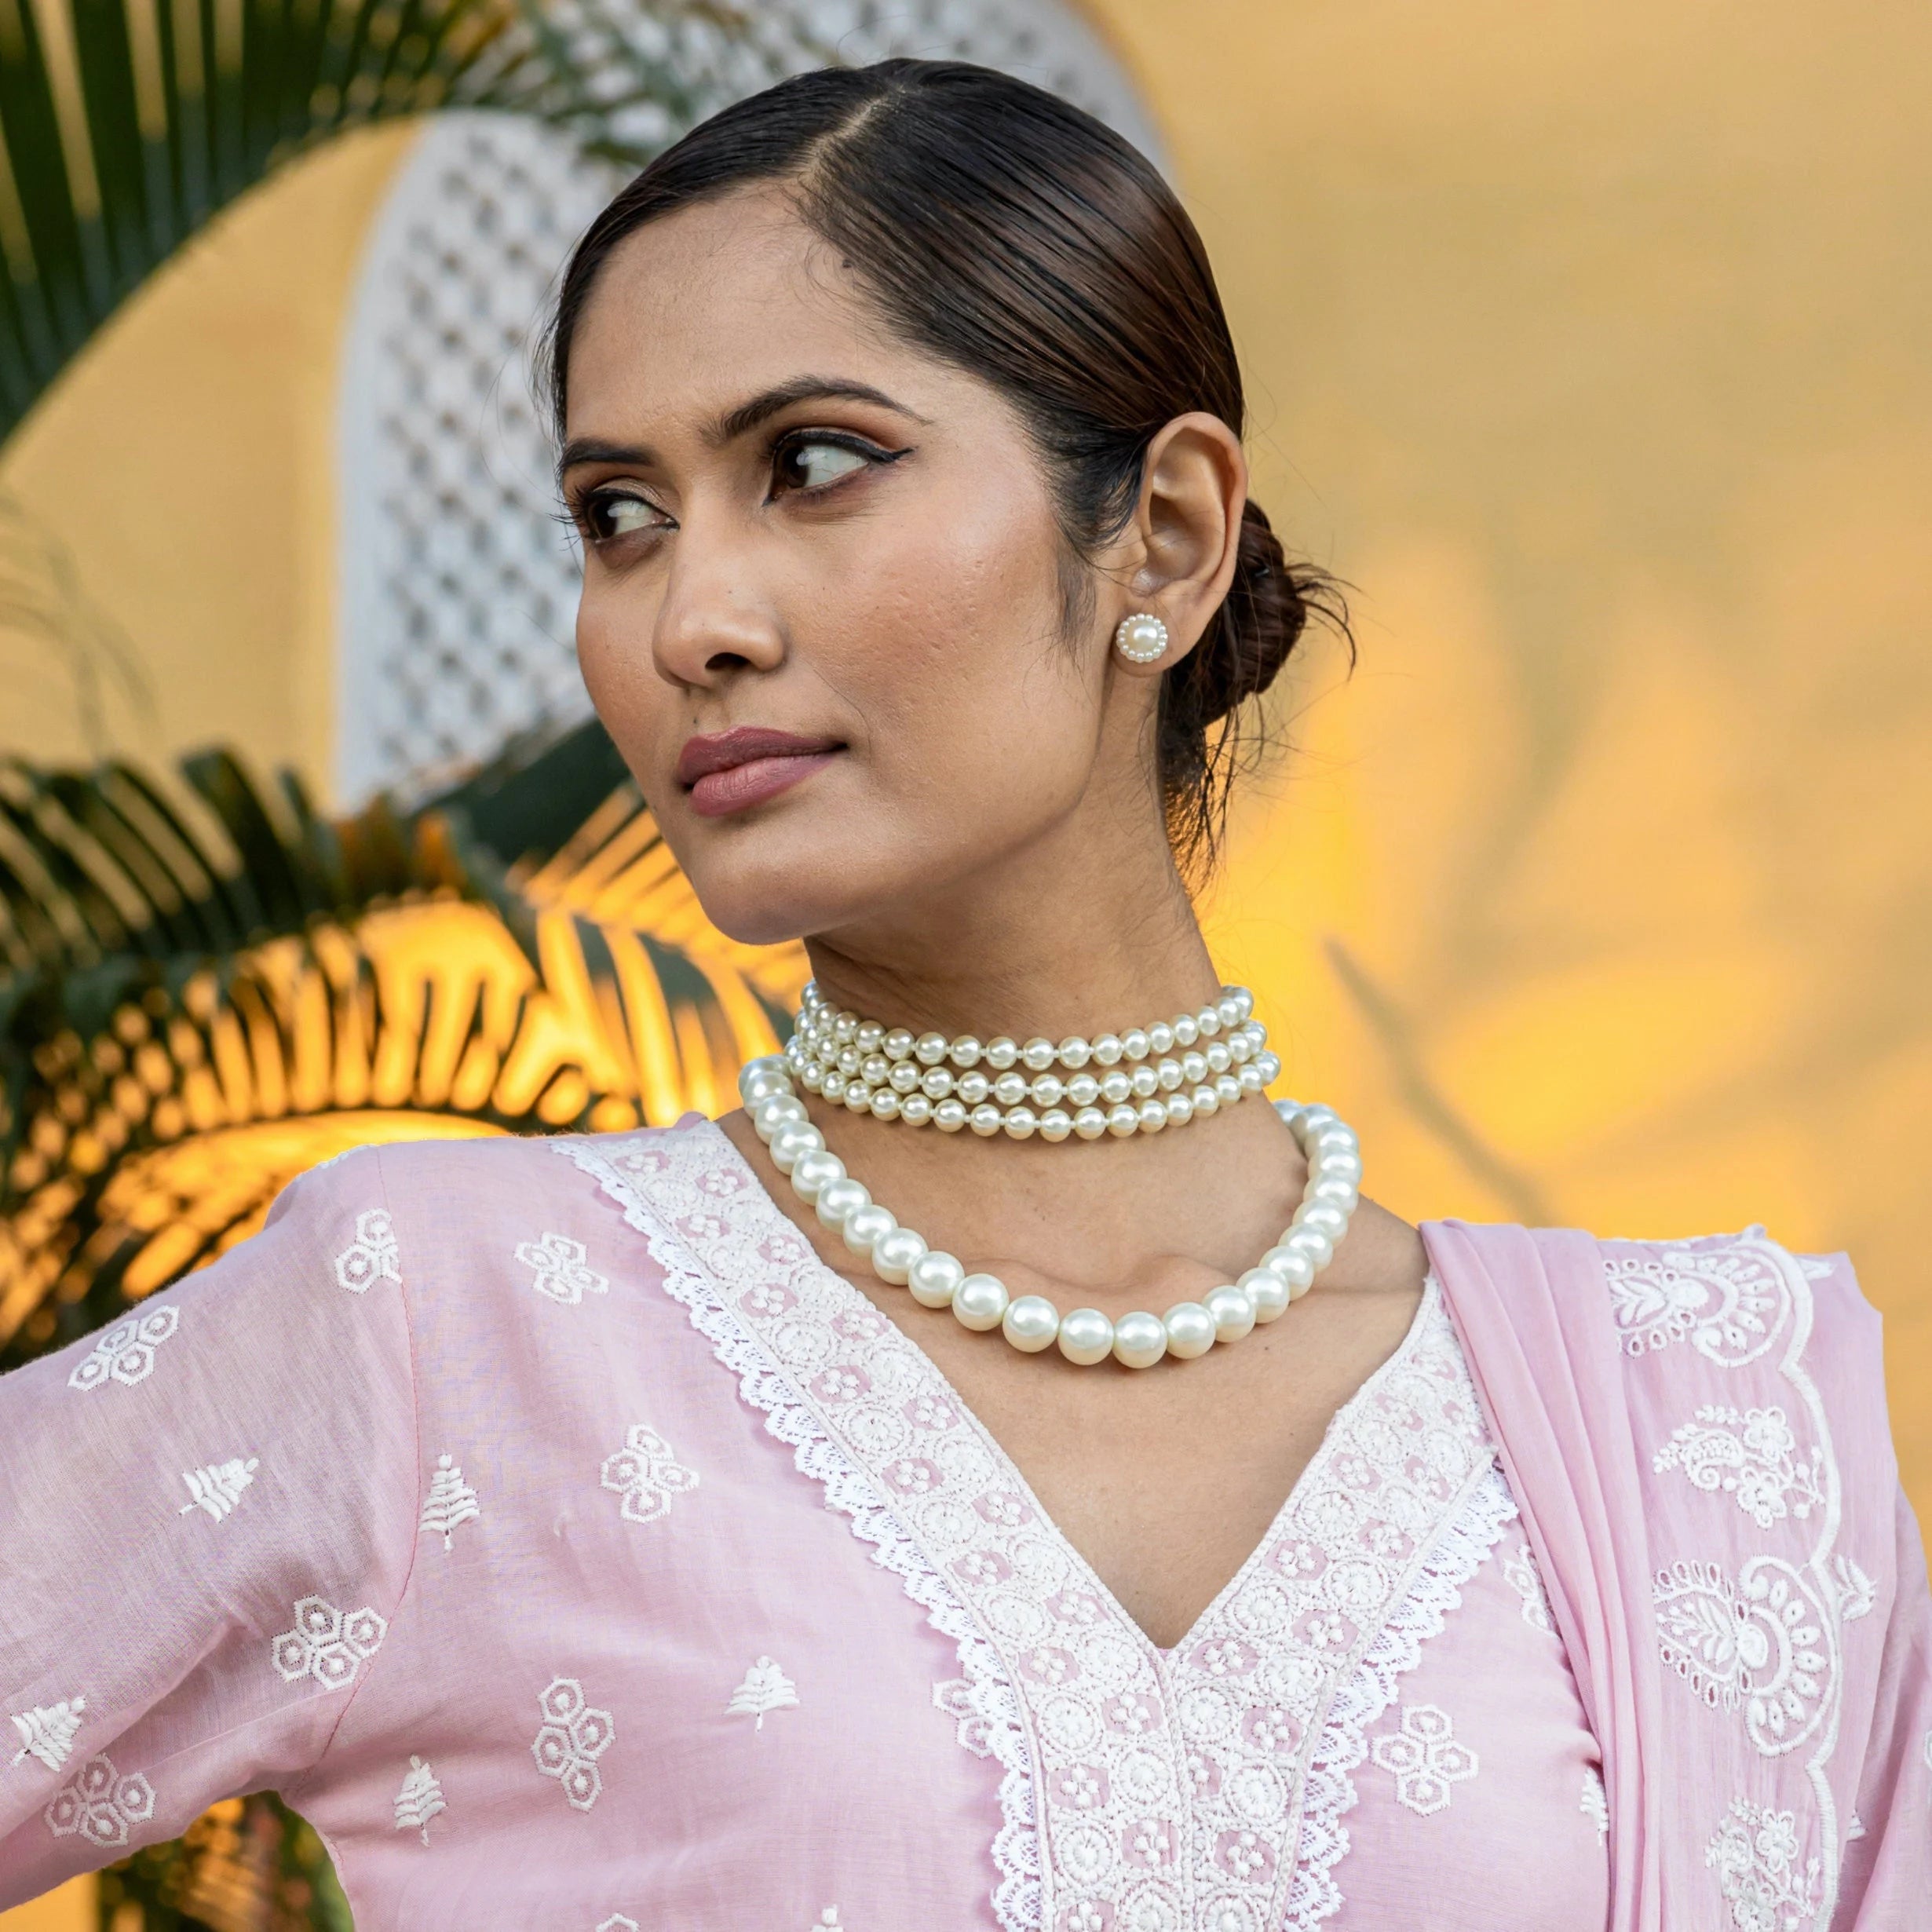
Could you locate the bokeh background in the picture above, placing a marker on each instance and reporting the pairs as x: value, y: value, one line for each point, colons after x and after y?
x: 1588, y: 343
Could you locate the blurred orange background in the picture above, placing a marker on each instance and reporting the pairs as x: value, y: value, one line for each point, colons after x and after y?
x: 1589, y: 345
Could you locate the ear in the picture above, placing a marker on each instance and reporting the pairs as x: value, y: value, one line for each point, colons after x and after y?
x: 1178, y: 553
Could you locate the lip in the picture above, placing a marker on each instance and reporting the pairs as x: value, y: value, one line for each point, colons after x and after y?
x: 732, y: 771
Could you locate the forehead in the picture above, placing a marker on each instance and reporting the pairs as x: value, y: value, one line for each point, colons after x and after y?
x: 696, y: 311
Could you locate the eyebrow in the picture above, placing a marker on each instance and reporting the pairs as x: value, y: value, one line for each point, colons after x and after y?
x: 741, y: 421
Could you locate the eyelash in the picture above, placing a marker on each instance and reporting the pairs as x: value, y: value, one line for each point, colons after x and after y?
x: 585, y: 507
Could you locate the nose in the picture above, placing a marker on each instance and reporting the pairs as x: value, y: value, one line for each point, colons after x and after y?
x: 714, y: 623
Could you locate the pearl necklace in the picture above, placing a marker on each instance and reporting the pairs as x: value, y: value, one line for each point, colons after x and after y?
x: 893, y: 1075
x: 1030, y: 1322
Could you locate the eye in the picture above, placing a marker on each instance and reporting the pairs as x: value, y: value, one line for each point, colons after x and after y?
x: 811, y: 462
x: 611, y: 514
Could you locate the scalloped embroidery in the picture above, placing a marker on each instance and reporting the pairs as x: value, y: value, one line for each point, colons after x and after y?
x: 1205, y: 1785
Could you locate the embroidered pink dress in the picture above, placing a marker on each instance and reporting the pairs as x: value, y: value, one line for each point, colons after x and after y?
x: 575, y: 1550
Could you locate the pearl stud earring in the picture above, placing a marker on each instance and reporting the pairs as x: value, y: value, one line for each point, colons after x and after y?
x: 1141, y: 639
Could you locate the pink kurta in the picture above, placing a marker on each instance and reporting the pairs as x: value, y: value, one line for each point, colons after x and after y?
x: 575, y: 1550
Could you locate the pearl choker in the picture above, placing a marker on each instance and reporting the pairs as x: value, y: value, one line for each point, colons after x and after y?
x: 1031, y: 1322
x: 1140, y: 1085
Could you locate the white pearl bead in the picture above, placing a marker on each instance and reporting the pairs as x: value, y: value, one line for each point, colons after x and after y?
x: 1000, y: 1053
x: 1031, y: 1323
x: 884, y: 1104
x: 972, y: 1088
x: 1037, y: 1055
x: 1087, y: 1336
x: 768, y: 1115
x: 1140, y: 1340
x: 930, y: 1049
x: 985, y: 1121
x: 1208, y: 1022
x: 1160, y: 1038
x: 1107, y: 1050
x: 858, y: 1098
x: 1075, y: 1053
x: 1218, y: 1056
x: 791, y: 1142
x: 757, y: 1078
x: 1167, y: 1075
x: 1190, y: 1330
x: 1009, y: 1089
x: 1115, y: 1087
x: 980, y: 1302
x: 904, y: 1078
x: 1270, y: 1066
x: 865, y: 1226
x: 1291, y: 1263
x: 894, y: 1253
x: 1186, y: 1032
x: 1055, y: 1124
x: 897, y: 1044
x: 1316, y: 1246
x: 873, y: 1069
x: 934, y: 1278
x: 1122, y: 1120
x: 1249, y: 1078
x: 949, y: 1115
x: 845, y: 1024
x: 1145, y: 1082
x: 812, y: 1079
x: 1083, y: 1090
x: 1233, y: 1311
x: 1048, y: 1090
x: 1229, y: 1009
x: 834, y: 1087
x: 812, y: 1171
x: 967, y: 1051
x: 1270, y: 1294
x: 1321, y: 1218
x: 838, y: 1199
x: 1342, y: 1166
x: 1206, y: 1103
x: 916, y: 1110
x: 1021, y: 1122
x: 1089, y: 1123
x: 1341, y: 1193
x: 1133, y: 1044
x: 1179, y: 1110
x: 1153, y: 1115
x: 868, y: 1038
x: 1228, y: 1088
x: 1244, y: 1000
x: 1239, y: 1046
x: 936, y: 1084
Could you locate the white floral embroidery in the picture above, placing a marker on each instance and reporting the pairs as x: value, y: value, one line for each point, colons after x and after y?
x: 1520, y: 1572
x: 765, y: 1688
x: 1595, y: 1802
x: 1758, y: 1644
x: 1425, y: 1758
x: 125, y: 1352
x: 1755, y: 1853
x: 217, y: 1486
x: 47, y: 1731
x: 1856, y: 1593
x: 328, y: 1644
x: 646, y: 1475
x: 449, y: 1504
x: 562, y: 1269
x: 1732, y: 1301
x: 574, y: 1736
x: 617, y: 1921
x: 1263, y: 1708
x: 829, y: 1918
x: 1751, y: 1455
x: 420, y: 1800
x: 1855, y: 1828
x: 100, y: 1804
x: 372, y: 1255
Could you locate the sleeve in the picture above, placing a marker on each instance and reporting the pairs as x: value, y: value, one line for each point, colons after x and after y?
x: 1887, y: 1874
x: 207, y: 1515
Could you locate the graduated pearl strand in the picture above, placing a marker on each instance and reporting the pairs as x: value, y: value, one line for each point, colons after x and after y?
x: 1140, y: 1086
x: 1031, y: 1322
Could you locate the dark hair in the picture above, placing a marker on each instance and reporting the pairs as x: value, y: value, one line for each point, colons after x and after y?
x: 1020, y: 240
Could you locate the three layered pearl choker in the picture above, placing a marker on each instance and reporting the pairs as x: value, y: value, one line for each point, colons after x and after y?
x: 1137, y: 1082
x: 833, y: 1053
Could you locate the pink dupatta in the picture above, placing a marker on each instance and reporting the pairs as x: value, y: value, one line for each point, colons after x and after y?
x: 1695, y: 1433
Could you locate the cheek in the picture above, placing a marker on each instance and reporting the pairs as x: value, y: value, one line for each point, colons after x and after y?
x: 614, y: 627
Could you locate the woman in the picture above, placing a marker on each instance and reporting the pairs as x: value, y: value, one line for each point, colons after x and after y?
x: 619, y: 1531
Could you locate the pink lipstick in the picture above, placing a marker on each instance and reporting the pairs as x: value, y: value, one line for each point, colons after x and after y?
x: 733, y: 770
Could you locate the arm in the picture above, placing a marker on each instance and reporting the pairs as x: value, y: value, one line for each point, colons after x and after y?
x: 207, y: 1520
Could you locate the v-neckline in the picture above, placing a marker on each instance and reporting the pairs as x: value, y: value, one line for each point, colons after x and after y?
x: 1336, y: 1429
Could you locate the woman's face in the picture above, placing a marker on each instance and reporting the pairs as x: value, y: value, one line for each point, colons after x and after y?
x: 822, y: 610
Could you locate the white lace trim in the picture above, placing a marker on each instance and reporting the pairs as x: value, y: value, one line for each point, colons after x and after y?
x: 984, y: 1699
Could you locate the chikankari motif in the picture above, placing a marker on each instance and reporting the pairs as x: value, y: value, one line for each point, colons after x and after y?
x: 100, y: 1804
x: 328, y: 1644
x: 1595, y: 1801
x: 420, y: 1800
x: 47, y: 1731
x: 765, y: 1688
x: 617, y: 1921
x: 1140, y: 1787
x: 1766, y: 1882
x: 562, y: 1269
x: 1856, y: 1593
x: 373, y: 1256
x: 574, y: 1736
x: 1750, y: 1454
x: 1731, y: 1302
x: 216, y: 1488
x: 1759, y: 1644
x: 449, y: 1504
x: 125, y: 1352
x: 1520, y: 1573
x: 1425, y: 1758
x: 646, y: 1475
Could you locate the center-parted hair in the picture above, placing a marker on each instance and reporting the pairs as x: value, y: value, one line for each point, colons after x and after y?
x: 1014, y: 237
